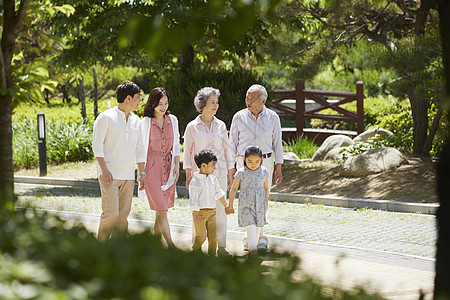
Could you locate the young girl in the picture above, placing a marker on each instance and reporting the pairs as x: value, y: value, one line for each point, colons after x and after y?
x: 253, y: 195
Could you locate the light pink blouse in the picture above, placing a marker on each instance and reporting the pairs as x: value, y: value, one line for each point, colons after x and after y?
x: 198, y: 136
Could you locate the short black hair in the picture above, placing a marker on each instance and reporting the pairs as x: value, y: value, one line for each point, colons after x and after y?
x: 204, y: 157
x: 253, y: 150
x: 125, y: 89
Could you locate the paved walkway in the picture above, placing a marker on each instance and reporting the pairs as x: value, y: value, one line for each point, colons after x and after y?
x: 388, y: 252
x: 394, y: 276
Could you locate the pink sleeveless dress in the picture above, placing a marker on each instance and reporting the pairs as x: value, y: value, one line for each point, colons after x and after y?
x: 159, y: 159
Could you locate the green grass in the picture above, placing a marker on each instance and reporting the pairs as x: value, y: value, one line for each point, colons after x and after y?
x: 302, y: 147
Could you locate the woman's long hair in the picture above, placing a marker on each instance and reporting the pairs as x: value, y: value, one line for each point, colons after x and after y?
x: 153, y: 101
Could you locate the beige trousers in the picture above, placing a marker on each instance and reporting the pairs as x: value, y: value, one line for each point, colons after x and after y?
x: 116, y: 206
x: 206, y: 229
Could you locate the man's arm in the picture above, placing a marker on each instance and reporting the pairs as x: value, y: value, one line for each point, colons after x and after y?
x: 277, y: 145
x: 98, y: 138
x: 106, y: 175
x: 278, y: 174
x: 233, y: 141
x: 141, y: 175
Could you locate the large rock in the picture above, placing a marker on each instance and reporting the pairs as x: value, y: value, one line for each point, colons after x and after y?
x: 334, y: 154
x: 290, y: 156
x: 366, y: 136
x: 373, y: 161
x: 331, y: 142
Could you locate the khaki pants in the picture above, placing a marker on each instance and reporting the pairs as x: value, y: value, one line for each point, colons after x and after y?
x: 206, y: 229
x: 221, y: 217
x: 116, y: 206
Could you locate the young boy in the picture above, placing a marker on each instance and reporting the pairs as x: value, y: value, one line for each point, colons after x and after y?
x: 204, y: 190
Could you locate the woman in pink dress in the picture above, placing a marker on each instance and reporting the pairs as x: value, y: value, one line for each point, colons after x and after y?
x: 162, y: 141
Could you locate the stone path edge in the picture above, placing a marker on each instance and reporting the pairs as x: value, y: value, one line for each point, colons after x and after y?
x: 386, y: 205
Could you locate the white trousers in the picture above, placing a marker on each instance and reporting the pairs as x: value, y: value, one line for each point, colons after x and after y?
x: 221, y: 217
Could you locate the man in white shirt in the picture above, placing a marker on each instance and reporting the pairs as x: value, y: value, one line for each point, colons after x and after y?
x: 117, y: 146
x: 204, y: 191
x: 258, y: 126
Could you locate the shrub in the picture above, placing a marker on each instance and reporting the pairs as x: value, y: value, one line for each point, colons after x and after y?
x: 69, y: 142
x: 25, y: 144
x: 65, y: 142
x: 42, y: 260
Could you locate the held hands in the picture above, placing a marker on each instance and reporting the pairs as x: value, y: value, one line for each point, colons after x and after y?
x: 141, y: 180
x: 229, y: 210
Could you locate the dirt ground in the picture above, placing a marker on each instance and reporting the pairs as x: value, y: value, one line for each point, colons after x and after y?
x: 413, y: 182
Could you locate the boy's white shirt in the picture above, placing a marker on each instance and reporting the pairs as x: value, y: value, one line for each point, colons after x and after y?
x: 204, y: 191
x: 145, y: 127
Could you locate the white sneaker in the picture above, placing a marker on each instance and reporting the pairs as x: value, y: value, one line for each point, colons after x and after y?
x: 263, y: 244
x: 245, y: 244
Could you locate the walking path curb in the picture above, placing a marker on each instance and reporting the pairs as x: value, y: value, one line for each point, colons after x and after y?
x: 386, y: 205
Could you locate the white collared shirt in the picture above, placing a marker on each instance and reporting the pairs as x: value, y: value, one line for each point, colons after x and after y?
x: 119, y: 142
x: 204, y: 191
x: 264, y: 132
x: 198, y: 136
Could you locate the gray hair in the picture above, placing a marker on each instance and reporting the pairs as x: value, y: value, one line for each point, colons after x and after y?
x: 257, y: 87
x: 203, y: 95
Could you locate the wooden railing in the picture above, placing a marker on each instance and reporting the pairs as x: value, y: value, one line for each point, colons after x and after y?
x: 300, y: 94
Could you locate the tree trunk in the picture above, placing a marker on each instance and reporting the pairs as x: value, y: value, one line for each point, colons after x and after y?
x: 442, y: 279
x: 433, y: 130
x: 12, y: 23
x: 95, y: 95
x: 82, y: 98
x: 441, y: 286
x: 47, y: 96
x: 6, y: 150
x: 65, y: 92
x: 187, y: 58
x: 419, y: 108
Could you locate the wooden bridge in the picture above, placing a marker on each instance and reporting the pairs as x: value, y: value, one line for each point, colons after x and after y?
x: 321, y: 101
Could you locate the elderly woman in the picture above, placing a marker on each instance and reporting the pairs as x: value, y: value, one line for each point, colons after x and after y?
x: 206, y: 132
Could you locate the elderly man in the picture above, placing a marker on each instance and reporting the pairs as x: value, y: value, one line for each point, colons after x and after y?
x: 257, y: 125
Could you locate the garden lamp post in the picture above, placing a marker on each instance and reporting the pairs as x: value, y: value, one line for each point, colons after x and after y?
x: 42, y: 144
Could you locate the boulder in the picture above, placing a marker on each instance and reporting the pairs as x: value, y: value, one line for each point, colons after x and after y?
x: 366, y: 136
x: 373, y: 161
x: 331, y: 142
x: 290, y: 156
x: 333, y: 154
